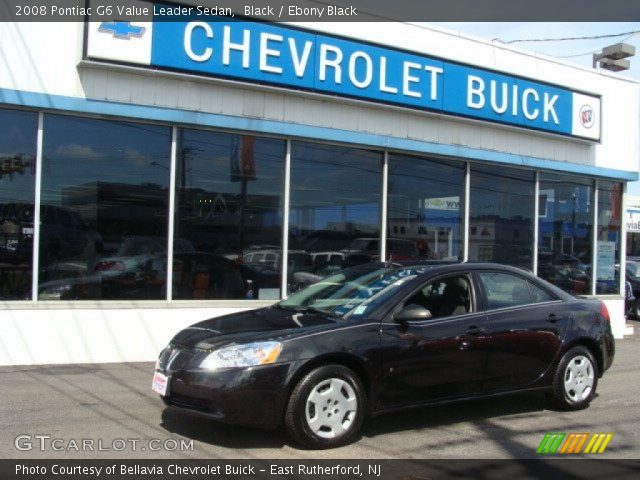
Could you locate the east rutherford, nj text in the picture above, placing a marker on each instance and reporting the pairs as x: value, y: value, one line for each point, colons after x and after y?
x: 315, y: 470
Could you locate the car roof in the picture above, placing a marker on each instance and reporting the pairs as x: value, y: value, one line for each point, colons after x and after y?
x: 446, y: 265
x: 437, y: 267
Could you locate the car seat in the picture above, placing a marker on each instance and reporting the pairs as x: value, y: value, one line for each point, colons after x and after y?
x: 455, y: 298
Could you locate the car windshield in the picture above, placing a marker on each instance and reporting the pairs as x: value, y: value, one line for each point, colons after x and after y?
x: 351, y: 291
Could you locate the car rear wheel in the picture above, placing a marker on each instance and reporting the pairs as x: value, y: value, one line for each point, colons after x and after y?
x: 575, y: 380
x: 326, y: 408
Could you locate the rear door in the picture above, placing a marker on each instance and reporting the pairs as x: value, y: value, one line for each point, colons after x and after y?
x: 525, y: 327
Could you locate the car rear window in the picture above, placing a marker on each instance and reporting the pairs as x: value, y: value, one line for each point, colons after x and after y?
x: 507, y: 290
x: 504, y: 290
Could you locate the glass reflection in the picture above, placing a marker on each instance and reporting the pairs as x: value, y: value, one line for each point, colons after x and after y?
x: 425, y: 208
x: 565, y: 219
x: 18, y: 132
x: 501, y: 215
x: 608, y: 239
x: 228, y: 211
x: 103, y: 210
x: 334, y: 219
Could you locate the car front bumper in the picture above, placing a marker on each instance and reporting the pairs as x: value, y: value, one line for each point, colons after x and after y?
x: 254, y: 396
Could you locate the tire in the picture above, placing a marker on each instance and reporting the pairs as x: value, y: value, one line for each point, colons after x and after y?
x: 636, y: 310
x: 326, y: 408
x: 575, y: 380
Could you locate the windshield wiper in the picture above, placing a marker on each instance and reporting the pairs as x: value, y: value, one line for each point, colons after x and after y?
x: 305, y: 310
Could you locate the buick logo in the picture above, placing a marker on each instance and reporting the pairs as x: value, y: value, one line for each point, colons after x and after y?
x: 586, y: 116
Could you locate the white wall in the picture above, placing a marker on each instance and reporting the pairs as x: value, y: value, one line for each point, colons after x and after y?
x: 81, y: 335
x: 616, y: 311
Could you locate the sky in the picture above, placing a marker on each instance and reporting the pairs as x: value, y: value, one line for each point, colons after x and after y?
x: 572, y: 51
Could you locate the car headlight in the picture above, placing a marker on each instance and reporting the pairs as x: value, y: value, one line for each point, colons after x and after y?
x: 159, y: 357
x: 247, y: 355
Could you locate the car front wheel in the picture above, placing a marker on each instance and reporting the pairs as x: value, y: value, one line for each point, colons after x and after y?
x: 575, y: 380
x: 326, y: 408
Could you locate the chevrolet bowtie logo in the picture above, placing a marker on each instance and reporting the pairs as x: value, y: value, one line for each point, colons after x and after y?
x: 122, y: 30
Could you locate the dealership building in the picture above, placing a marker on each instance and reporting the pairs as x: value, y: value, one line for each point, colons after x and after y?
x: 154, y: 174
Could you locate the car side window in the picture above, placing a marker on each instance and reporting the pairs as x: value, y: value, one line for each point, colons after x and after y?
x: 505, y: 290
x: 445, y: 297
x: 538, y: 295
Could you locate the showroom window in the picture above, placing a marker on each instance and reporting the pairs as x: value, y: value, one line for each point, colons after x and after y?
x: 228, y: 222
x: 565, y: 229
x: 103, y: 211
x: 501, y: 215
x: 18, y: 137
x: 334, y: 219
x: 608, y: 237
x: 425, y: 208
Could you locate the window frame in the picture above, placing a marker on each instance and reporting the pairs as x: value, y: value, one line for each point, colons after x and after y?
x: 474, y: 304
x: 526, y: 279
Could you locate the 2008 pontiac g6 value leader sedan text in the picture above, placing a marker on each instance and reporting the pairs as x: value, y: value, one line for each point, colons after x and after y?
x: 380, y: 337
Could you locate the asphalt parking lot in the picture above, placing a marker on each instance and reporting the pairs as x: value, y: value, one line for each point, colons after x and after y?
x: 112, y: 406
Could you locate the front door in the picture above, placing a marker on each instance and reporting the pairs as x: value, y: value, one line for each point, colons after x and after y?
x: 441, y: 357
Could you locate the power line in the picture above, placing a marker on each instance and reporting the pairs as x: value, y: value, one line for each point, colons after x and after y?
x: 593, y: 37
x: 575, y: 55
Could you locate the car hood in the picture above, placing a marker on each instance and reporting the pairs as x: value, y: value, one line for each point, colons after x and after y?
x: 253, y: 325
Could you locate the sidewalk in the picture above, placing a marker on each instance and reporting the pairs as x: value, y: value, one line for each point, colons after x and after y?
x: 114, y: 402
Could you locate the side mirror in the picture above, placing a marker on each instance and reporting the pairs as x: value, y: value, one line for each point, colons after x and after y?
x: 412, y: 313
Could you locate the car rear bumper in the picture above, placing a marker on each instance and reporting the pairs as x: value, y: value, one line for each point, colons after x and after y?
x: 608, y: 350
x: 253, y: 396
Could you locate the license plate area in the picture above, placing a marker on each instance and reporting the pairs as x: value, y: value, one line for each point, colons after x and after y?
x: 160, y: 384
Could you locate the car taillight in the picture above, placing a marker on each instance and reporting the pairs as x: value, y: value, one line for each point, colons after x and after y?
x: 604, y: 312
x: 105, y: 266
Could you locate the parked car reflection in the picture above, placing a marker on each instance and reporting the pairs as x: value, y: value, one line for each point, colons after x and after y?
x: 632, y: 296
x: 365, y: 250
x: 565, y: 271
x: 16, y: 233
x: 136, y: 271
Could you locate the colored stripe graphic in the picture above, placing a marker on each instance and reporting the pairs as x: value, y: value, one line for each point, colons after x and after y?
x: 574, y: 442
x: 598, y: 443
x: 550, y: 443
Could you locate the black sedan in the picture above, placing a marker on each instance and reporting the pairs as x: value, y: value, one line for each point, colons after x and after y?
x: 381, y: 337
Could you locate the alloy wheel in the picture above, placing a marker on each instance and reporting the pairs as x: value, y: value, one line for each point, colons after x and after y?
x: 578, y: 378
x: 331, y: 408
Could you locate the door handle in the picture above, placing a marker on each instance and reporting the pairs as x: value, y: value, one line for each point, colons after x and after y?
x: 474, y: 330
x: 553, y: 318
